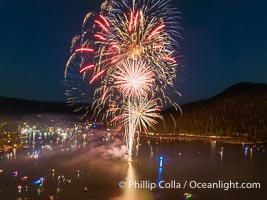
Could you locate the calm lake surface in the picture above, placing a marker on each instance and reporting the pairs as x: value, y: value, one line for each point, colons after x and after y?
x: 99, y: 169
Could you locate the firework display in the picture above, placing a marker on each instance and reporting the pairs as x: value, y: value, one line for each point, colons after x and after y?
x: 128, y: 52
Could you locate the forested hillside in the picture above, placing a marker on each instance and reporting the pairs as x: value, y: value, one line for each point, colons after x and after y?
x: 240, y: 110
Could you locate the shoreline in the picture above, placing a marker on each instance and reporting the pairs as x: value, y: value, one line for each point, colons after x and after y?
x: 222, y: 139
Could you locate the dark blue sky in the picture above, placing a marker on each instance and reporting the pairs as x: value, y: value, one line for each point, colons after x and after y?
x: 224, y: 43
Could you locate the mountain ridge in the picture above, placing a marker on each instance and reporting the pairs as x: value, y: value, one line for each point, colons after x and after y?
x: 238, y: 110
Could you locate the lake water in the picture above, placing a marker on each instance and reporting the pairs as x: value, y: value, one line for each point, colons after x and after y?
x: 100, y: 170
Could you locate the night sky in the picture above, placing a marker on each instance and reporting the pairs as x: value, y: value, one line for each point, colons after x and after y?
x: 224, y: 42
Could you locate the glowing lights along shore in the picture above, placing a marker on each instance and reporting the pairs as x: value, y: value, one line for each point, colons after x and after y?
x: 130, y: 54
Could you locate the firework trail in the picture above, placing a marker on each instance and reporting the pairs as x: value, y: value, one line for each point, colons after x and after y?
x: 129, y: 53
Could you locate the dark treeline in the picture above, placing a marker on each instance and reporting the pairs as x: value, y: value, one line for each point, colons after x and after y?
x: 239, y: 111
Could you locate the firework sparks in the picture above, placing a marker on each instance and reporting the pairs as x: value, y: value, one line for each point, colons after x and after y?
x: 96, y: 76
x: 135, y: 57
x: 86, y: 50
x: 143, y: 113
x: 86, y: 68
x: 134, y: 79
